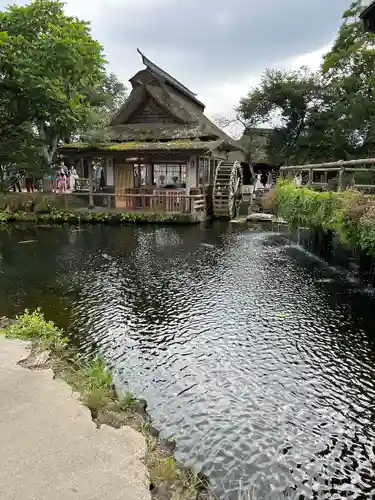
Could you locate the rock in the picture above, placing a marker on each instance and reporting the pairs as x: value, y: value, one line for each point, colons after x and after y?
x: 5, y: 322
x: 36, y: 360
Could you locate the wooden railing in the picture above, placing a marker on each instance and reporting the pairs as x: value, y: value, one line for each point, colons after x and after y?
x: 161, y: 202
x: 166, y: 203
x: 339, y: 182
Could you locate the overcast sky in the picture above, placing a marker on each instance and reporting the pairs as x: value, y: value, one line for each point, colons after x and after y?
x: 217, y: 48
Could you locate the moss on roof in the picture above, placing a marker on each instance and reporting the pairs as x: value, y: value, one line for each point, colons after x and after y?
x: 139, y: 145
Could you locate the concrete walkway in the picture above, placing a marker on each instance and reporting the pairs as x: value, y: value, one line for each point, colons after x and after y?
x: 51, y: 449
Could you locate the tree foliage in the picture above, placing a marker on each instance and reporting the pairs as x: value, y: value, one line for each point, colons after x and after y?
x: 53, y: 79
x: 289, y: 97
x: 326, y: 115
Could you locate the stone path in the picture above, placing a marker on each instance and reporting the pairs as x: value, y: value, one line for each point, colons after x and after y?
x: 51, y: 449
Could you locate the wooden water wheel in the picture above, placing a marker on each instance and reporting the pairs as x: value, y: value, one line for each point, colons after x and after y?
x: 227, y: 190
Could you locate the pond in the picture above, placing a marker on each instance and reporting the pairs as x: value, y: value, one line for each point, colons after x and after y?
x: 257, y: 357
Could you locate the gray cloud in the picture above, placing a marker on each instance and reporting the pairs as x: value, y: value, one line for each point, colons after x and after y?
x: 205, y: 43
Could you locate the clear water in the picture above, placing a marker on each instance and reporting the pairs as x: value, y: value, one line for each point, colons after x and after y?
x: 256, y: 356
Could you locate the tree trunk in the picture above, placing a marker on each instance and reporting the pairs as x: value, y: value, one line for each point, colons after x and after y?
x: 49, y: 147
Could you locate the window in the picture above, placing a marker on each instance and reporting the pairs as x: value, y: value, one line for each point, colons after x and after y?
x: 204, y: 171
x: 170, y: 174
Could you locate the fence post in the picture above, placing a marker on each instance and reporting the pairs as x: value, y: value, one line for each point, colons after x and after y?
x: 91, y: 183
x: 341, y: 179
x: 311, y: 177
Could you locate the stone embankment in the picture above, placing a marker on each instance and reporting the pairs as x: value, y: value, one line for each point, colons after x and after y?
x: 52, y: 449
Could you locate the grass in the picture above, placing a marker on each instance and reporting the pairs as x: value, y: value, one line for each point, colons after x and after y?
x: 44, y: 334
x: 93, y: 381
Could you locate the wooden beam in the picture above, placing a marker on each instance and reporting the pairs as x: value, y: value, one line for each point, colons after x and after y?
x: 329, y: 165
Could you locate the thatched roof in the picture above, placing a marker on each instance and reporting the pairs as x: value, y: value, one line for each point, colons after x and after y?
x: 160, y: 113
x: 184, y: 111
x: 368, y: 17
x: 169, y: 80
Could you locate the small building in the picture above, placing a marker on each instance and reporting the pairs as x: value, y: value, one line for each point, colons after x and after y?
x: 159, y: 143
x: 368, y: 15
x: 255, y: 142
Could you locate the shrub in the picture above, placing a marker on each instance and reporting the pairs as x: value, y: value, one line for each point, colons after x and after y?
x: 32, y: 326
x: 268, y: 201
x: 349, y: 213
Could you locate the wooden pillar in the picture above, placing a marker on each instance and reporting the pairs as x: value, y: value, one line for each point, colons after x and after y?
x: 191, y: 173
x: 311, y: 177
x: 149, y: 174
x: 341, y: 179
x: 91, y: 182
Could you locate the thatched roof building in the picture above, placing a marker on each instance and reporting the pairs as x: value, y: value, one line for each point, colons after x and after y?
x: 255, y: 142
x: 161, y: 114
x: 368, y: 15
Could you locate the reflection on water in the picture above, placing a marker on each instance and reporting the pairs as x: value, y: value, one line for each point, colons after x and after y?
x: 256, y: 356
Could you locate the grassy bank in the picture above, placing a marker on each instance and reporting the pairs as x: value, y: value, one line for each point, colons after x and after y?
x: 350, y: 213
x: 92, y: 217
x: 92, y: 380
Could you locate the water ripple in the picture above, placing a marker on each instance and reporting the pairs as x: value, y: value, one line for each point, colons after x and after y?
x: 255, y: 355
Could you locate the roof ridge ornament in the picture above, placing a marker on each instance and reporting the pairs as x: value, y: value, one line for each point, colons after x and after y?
x: 169, y: 78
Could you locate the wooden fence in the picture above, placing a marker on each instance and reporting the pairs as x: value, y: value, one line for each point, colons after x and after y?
x: 340, y: 168
x: 166, y: 203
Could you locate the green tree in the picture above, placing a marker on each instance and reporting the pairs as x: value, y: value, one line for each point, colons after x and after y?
x: 324, y: 116
x: 288, y: 99
x: 48, y: 64
x: 349, y: 70
x: 20, y: 148
x: 106, y: 100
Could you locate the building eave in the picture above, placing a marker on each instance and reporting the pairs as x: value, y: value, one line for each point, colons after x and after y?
x: 136, y: 146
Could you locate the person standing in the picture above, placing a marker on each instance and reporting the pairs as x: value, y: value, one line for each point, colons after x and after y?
x: 62, y: 181
x: 73, y: 177
x: 269, y: 180
x: 52, y: 179
x: 99, y: 171
x: 258, y: 183
x: 16, y: 185
x: 15, y: 180
x: 29, y: 181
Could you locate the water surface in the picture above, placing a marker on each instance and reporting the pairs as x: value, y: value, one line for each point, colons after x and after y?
x: 255, y: 355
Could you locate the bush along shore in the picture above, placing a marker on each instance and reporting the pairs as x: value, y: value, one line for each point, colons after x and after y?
x: 92, y: 217
x: 91, y: 379
x: 349, y: 213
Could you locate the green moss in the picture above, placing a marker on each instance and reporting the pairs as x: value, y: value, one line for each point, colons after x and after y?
x: 76, y: 145
x: 93, y: 381
x: 350, y: 213
x: 134, y: 145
